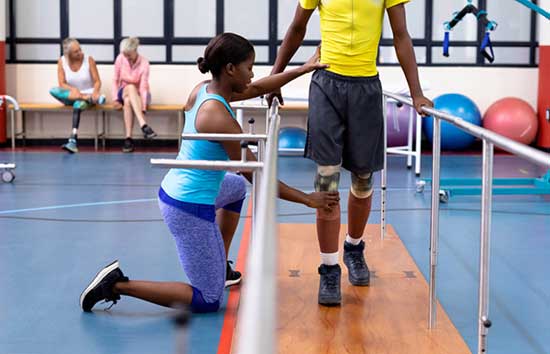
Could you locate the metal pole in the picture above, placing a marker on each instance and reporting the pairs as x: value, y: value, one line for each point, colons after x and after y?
x: 259, y: 173
x: 224, y: 137
x: 267, y: 120
x: 254, y: 199
x: 434, y: 222
x: 418, y: 142
x: 383, y: 174
x: 181, y: 322
x: 257, y: 181
x: 484, y: 252
x: 240, y: 117
x: 257, y: 313
x: 12, y: 115
x: 208, y: 165
x: 412, y: 116
x: 10, y: 100
x: 244, y: 149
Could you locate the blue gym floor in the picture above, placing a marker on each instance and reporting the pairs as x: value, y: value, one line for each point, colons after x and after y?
x: 66, y: 216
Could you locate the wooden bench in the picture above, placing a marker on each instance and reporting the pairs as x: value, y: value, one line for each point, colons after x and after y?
x: 103, y: 110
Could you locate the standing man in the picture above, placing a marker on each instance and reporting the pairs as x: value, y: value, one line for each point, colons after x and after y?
x: 345, y: 121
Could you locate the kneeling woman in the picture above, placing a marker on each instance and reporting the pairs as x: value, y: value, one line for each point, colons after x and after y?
x: 202, y: 208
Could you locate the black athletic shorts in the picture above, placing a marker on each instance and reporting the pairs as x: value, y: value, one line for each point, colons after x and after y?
x: 345, y: 122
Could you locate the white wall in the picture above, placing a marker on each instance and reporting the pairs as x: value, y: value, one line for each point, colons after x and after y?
x: 171, y: 84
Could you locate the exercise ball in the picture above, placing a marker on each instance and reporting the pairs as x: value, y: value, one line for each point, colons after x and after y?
x: 292, y: 138
x: 452, y: 138
x: 397, y: 123
x: 514, y: 118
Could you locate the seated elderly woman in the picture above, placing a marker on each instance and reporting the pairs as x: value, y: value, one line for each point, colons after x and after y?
x: 79, y: 85
x: 131, y: 89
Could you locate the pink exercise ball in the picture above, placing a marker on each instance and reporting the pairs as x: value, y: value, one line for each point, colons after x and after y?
x: 514, y: 118
x: 398, y: 124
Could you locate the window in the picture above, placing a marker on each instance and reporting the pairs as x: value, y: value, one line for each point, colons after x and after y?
x: 142, y: 19
x: 416, y: 20
x: 153, y: 53
x: 443, y: 11
x: 388, y: 55
x: 194, y: 18
x: 100, y: 52
x: 285, y: 14
x: 37, y: 18
x: 177, y: 31
x: 303, y: 54
x: 7, y: 20
x: 516, y: 30
x: 458, y: 55
x: 187, y: 53
x: 91, y: 19
x: 249, y: 18
x: 31, y: 52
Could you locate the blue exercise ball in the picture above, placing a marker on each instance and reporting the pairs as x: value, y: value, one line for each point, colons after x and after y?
x: 292, y: 138
x: 460, y: 106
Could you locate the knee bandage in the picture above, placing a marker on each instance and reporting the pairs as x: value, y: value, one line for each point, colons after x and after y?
x: 327, y: 180
x: 361, y: 185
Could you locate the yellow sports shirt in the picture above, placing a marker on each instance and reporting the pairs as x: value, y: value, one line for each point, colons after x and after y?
x: 350, y: 33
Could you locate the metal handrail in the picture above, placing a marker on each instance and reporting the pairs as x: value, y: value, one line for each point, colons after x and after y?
x: 490, y: 140
x: 208, y: 165
x: 11, y: 100
x: 257, y: 313
x: 15, y: 107
x: 224, y: 137
x: 536, y: 156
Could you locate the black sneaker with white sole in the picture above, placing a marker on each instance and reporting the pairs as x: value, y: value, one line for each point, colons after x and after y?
x: 354, y: 259
x: 329, y: 285
x: 148, y: 132
x: 128, y: 145
x: 232, y: 277
x: 101, y: 287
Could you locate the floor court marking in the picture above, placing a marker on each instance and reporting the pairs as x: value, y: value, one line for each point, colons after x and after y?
x: 79, y: 205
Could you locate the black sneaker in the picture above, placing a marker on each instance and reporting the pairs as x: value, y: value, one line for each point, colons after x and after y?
x: 329, y: 285
x: 354, y: 259
x: 128, y: 145
x: 101, y: 287
x: 232, y: 277
x: 148, y: 133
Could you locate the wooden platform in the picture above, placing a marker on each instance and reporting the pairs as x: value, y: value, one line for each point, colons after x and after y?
x: 390, y: 316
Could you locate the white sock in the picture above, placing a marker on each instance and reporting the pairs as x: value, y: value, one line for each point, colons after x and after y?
x: 329, y: 258
x: 353, y: 241
x: 75, y: 131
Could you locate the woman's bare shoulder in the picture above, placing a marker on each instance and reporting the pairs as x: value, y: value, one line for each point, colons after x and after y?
x: 193, y: 95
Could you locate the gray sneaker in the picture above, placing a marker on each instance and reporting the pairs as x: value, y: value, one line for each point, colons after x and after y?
x: 70, y: 146
x: 329, y: 285
x: 354, y: 259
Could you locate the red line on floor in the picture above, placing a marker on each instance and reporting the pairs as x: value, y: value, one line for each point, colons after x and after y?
x: 230, y: 318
